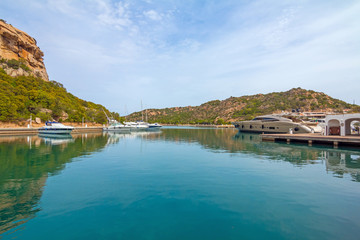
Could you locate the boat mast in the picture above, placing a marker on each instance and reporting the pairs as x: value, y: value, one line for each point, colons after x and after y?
x: 142, y: 113
x: 106, y: 116
x: 125, y: 112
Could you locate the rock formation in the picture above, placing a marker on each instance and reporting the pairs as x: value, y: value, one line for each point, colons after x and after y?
x: 19, y: 54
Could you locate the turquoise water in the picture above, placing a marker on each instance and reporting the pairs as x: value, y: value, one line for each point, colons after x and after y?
x: 178, y: 183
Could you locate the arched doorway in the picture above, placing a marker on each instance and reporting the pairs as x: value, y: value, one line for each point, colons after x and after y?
x: 352, y: 126
x: 334, y: 127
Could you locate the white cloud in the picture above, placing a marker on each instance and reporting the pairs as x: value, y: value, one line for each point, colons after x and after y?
x: 153, y: 15
x: 174, y: 53
x: 117, y: 15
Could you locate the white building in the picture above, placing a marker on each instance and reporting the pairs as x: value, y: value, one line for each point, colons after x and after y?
x: 340, y: 124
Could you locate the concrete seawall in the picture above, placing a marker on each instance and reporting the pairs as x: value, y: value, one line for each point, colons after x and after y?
x: 34, y: 131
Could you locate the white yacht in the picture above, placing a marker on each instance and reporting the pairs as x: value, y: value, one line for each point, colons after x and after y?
x: 116, y: 126
x: 139, y: 125
x: 55, y: 128
x: 272, y: 124
x: 154, y: 125
x: 317, y: 125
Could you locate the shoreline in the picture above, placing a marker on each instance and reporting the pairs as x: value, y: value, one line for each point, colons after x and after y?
x: 22, y: 129
x: 200, y: 125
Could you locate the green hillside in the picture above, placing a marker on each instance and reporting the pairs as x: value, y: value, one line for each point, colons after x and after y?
x: 22, y: 96
x: 247, y: 107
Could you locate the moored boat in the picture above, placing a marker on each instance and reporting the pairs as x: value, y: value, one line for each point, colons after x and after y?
x: 139, y: 125
x: 55, y: 128
x: 116, y: 126
x: 154, y: 125
x: 272, y: 124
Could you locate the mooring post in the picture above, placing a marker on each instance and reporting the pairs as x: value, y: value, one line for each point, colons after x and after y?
x: 336, y: 144
x: 288, y: 141
x: 310, y: 142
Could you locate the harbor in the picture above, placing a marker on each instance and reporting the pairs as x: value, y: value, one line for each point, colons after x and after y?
x: 250, y: 127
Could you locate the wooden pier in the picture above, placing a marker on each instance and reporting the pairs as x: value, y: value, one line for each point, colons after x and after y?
x: 314, y: 139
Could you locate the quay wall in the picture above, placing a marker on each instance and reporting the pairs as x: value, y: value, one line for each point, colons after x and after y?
x: 34, y: 131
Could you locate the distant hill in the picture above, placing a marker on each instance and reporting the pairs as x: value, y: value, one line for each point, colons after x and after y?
x: 247, y: 107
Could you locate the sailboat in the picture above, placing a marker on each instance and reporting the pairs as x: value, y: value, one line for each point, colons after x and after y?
x: 114, y: 125
x: 151, y: 125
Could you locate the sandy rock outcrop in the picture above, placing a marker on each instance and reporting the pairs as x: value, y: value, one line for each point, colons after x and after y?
x: 18, y: 45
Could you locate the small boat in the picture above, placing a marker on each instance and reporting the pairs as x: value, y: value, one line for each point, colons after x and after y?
x: 154, y: 125
x: 317, y: 125
x: 272, y: 124
x: 55, y: 128
x: 115, y: 126
x: 138, y: 125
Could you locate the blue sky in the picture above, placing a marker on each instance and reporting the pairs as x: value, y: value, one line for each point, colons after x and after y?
x: 180, y: 52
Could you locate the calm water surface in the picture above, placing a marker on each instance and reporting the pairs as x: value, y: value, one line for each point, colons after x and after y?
x: 177, y: 183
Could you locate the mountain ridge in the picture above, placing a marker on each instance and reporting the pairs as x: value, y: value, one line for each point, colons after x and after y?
x: 248, y: 106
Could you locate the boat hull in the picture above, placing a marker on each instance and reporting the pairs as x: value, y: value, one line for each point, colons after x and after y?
x: 139, y: 128
x: 271, y: 127
x: 55, y: 131
x: 116, y: 129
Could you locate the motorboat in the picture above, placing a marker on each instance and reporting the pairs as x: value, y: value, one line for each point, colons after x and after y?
x: 55, y: 128
x: 154, y: 125
x: 138, y: 125
x: 272, y: 124
x: 116, y: 126
x: 317, y: 125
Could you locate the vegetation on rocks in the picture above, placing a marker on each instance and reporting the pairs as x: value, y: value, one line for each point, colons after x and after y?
x: 248, y: 107
x: 23, y: 96
x: 15, y: 64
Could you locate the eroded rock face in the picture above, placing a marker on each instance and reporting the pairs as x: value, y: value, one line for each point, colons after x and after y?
x: 18, y: 45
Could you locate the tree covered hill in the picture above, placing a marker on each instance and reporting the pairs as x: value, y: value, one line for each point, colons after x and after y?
x: 247, y: 107
x: 24, y: 95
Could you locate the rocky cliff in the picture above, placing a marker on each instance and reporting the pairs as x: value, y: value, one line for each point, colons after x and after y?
x: 19, y: 53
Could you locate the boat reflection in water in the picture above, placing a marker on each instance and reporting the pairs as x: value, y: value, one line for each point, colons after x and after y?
x: 115, y: 137
x: 27, y: 162
x: 340, y: 162
x: 56, y: 139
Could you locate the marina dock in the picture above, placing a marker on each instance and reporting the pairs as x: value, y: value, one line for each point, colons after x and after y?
x: 311, y: 139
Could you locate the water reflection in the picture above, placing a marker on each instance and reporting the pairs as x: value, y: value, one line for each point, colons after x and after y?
x: 25, y: 164
x: 115, y: 137
x: 56, y: 139
x: 338, y: 161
